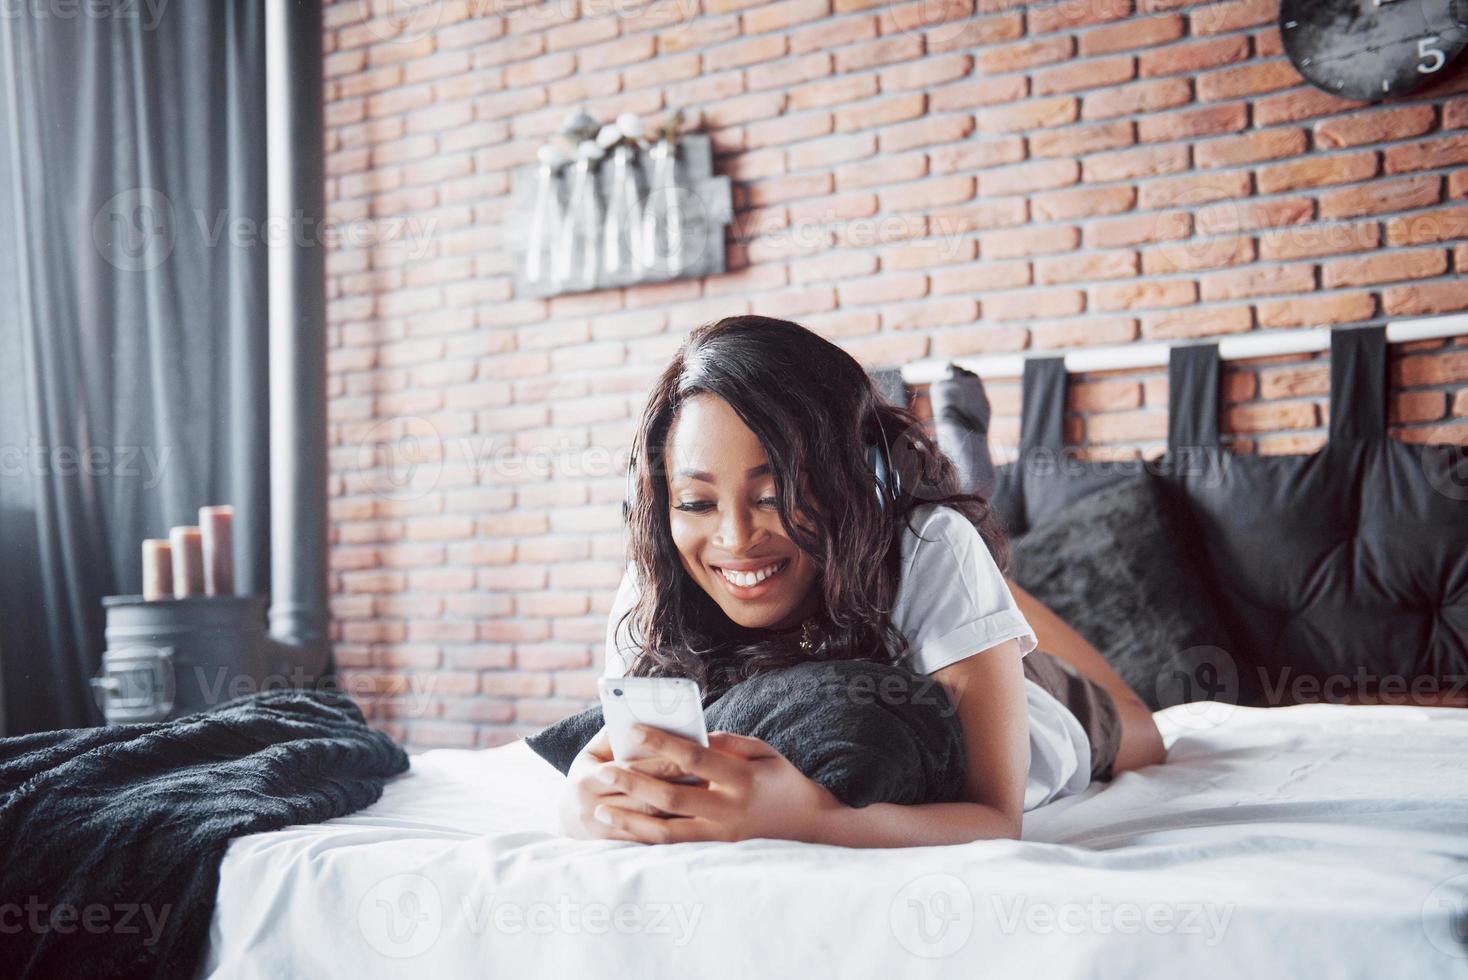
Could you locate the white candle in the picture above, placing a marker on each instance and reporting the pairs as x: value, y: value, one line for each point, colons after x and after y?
x: 157, y: 569
x: 217, y: 523
x: 188, y: 561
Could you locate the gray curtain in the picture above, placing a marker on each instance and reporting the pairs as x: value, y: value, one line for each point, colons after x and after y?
x: 132, y: 328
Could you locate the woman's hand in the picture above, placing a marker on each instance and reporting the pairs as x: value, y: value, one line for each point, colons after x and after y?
x: 751, y: 791
x: 584, y: 792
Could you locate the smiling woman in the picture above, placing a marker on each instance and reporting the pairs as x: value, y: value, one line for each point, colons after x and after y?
x: 725, y: 520
x: 756, y: 543
x: 752, y: 450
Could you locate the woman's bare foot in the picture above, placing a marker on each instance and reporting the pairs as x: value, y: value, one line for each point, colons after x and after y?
x: 961, y: 415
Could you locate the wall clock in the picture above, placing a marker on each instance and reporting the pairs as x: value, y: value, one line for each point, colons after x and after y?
x: 1373, y: 49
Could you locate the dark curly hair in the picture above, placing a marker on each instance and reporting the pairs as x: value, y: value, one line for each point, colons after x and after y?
x: 814, y: 410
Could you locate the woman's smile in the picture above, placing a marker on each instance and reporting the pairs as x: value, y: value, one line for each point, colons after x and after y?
x: 750, y: 582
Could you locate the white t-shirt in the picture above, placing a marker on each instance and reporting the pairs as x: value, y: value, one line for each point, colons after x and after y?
x: 952, y: 602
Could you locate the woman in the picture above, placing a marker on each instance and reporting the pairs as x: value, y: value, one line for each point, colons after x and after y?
x: 757, y: 541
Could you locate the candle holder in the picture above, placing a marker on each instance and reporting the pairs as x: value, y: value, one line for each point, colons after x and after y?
x: 169, y: 657
x: 188, y: 643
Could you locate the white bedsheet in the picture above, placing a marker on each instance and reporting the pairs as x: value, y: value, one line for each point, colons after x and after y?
x: 1318, y: 840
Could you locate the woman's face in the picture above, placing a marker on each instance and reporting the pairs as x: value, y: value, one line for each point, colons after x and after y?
x: 726, y: 522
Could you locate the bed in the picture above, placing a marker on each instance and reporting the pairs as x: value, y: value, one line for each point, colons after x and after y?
x: 1309, y: 840
x: 1281, y: 840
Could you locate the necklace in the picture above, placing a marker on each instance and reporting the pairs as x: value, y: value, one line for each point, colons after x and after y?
x: 808, y: 631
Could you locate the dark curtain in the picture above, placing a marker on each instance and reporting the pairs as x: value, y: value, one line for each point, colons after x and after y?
x: 133, y: 327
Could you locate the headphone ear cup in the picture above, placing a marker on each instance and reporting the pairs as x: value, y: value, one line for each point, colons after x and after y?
x: 879, y: 470
x: 627, y: 495
x: 894, y: 480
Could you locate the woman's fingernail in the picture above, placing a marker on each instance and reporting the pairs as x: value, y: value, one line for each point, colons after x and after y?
x: 602, y: 814
x: 606, y: 775
x: 637, y: 735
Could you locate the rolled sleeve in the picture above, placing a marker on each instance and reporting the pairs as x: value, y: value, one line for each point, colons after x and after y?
x: 953, y: 601
x: 969, y: 639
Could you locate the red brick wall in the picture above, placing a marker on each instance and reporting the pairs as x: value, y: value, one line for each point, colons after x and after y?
x: 912, y: 180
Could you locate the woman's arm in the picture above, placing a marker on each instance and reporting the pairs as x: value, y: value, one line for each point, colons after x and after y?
x: 988, y: 692
x: 753, y: 791
x: 914, y: 825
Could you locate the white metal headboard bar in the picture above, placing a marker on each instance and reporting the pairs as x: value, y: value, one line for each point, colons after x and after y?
x: 1155, y: 353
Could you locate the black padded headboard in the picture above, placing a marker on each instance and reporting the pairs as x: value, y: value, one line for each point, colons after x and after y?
x: 1344, y: 567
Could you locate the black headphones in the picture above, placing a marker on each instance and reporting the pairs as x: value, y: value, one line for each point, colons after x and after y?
x: 886, y: 477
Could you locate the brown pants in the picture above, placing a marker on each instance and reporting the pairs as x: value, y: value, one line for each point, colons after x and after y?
x: 1091, y: 703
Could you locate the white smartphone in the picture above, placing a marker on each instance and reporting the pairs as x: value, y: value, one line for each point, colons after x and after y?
x: 670, y: 703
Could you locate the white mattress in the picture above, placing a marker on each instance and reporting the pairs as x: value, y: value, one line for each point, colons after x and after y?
x: 1303, y: 841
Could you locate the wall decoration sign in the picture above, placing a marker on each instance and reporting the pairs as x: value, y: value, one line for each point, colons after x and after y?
x: 617, y: 204
x: 1373, y: 49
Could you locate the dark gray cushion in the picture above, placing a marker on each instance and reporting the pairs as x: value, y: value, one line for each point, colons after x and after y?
x: 1112, y: 566
x: 868, y: 732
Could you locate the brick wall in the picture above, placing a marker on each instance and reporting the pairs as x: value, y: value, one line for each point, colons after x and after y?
x: 912, y: 180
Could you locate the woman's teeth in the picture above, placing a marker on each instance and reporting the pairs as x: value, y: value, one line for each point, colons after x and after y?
x: 755, y: 577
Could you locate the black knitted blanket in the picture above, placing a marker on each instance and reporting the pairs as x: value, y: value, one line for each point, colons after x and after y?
x: 113, y: 836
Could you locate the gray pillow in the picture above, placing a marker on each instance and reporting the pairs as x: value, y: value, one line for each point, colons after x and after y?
x: 868, y: 732
x: 1113, y: 567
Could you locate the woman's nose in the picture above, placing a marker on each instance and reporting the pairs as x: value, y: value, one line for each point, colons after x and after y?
x: 736, y: 529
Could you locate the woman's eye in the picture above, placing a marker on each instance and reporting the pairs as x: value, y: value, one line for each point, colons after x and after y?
x: 699, y: 506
